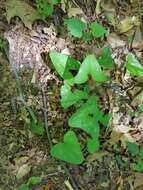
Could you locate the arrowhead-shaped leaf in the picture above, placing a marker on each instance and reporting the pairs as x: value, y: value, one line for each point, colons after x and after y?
x: 86, y: 118
x: 133, y: 66
x: 69, y: 150
x: 90, y: 66
x: 63, y: 64
x: 69, y: 98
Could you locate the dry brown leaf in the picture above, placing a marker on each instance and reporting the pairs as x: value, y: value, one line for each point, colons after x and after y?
x: 138, y: 180
x: 23, y: 10
x: 115, y: 41
x: 127, y: 24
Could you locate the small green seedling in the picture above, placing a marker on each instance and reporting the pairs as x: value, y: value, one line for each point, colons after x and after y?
x: 69, y: 150
x: 37, y: 127
x: 77, y: 28
x: 31, y: 182
x: 46, y: 8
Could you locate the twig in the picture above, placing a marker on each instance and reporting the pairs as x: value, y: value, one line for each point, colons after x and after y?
x: 46, y: 117
x: 19, y: 86
x: 70, y: 176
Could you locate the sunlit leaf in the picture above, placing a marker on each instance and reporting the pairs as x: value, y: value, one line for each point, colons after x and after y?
x: 69, y: 150
x: 90, y: 66
x: 63, y: 64
x: 69, y: 98
x: 75, y: 26
x: 98, y: 30
x: 133, y: 65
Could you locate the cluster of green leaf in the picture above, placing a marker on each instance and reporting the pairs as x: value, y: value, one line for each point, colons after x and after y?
x: 137, y: 154
x: 37, y: 127
x: 31, y: 182
x: 88, y: 116
x: 46, y: 8
x: 77, y: 28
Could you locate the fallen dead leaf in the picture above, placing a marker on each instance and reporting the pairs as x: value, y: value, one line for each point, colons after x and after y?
x: 127, y: 24
x: 23, y: 10
x: 115, y: 41
x: 138, y: 182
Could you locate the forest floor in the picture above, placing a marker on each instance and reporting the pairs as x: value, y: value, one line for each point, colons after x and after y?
x: 23, y: 154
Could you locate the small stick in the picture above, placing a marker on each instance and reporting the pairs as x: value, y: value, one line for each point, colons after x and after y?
x: 70, y: 176
x: 46, y: 117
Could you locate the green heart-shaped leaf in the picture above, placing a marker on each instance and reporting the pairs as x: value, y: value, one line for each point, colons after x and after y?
x: 75, y: 26
x: 133, y: 66
x: 69, y: 150
x: 90, y: 66
x: 97, y: 30
x: 86, y: 117
x: 69, y: 98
